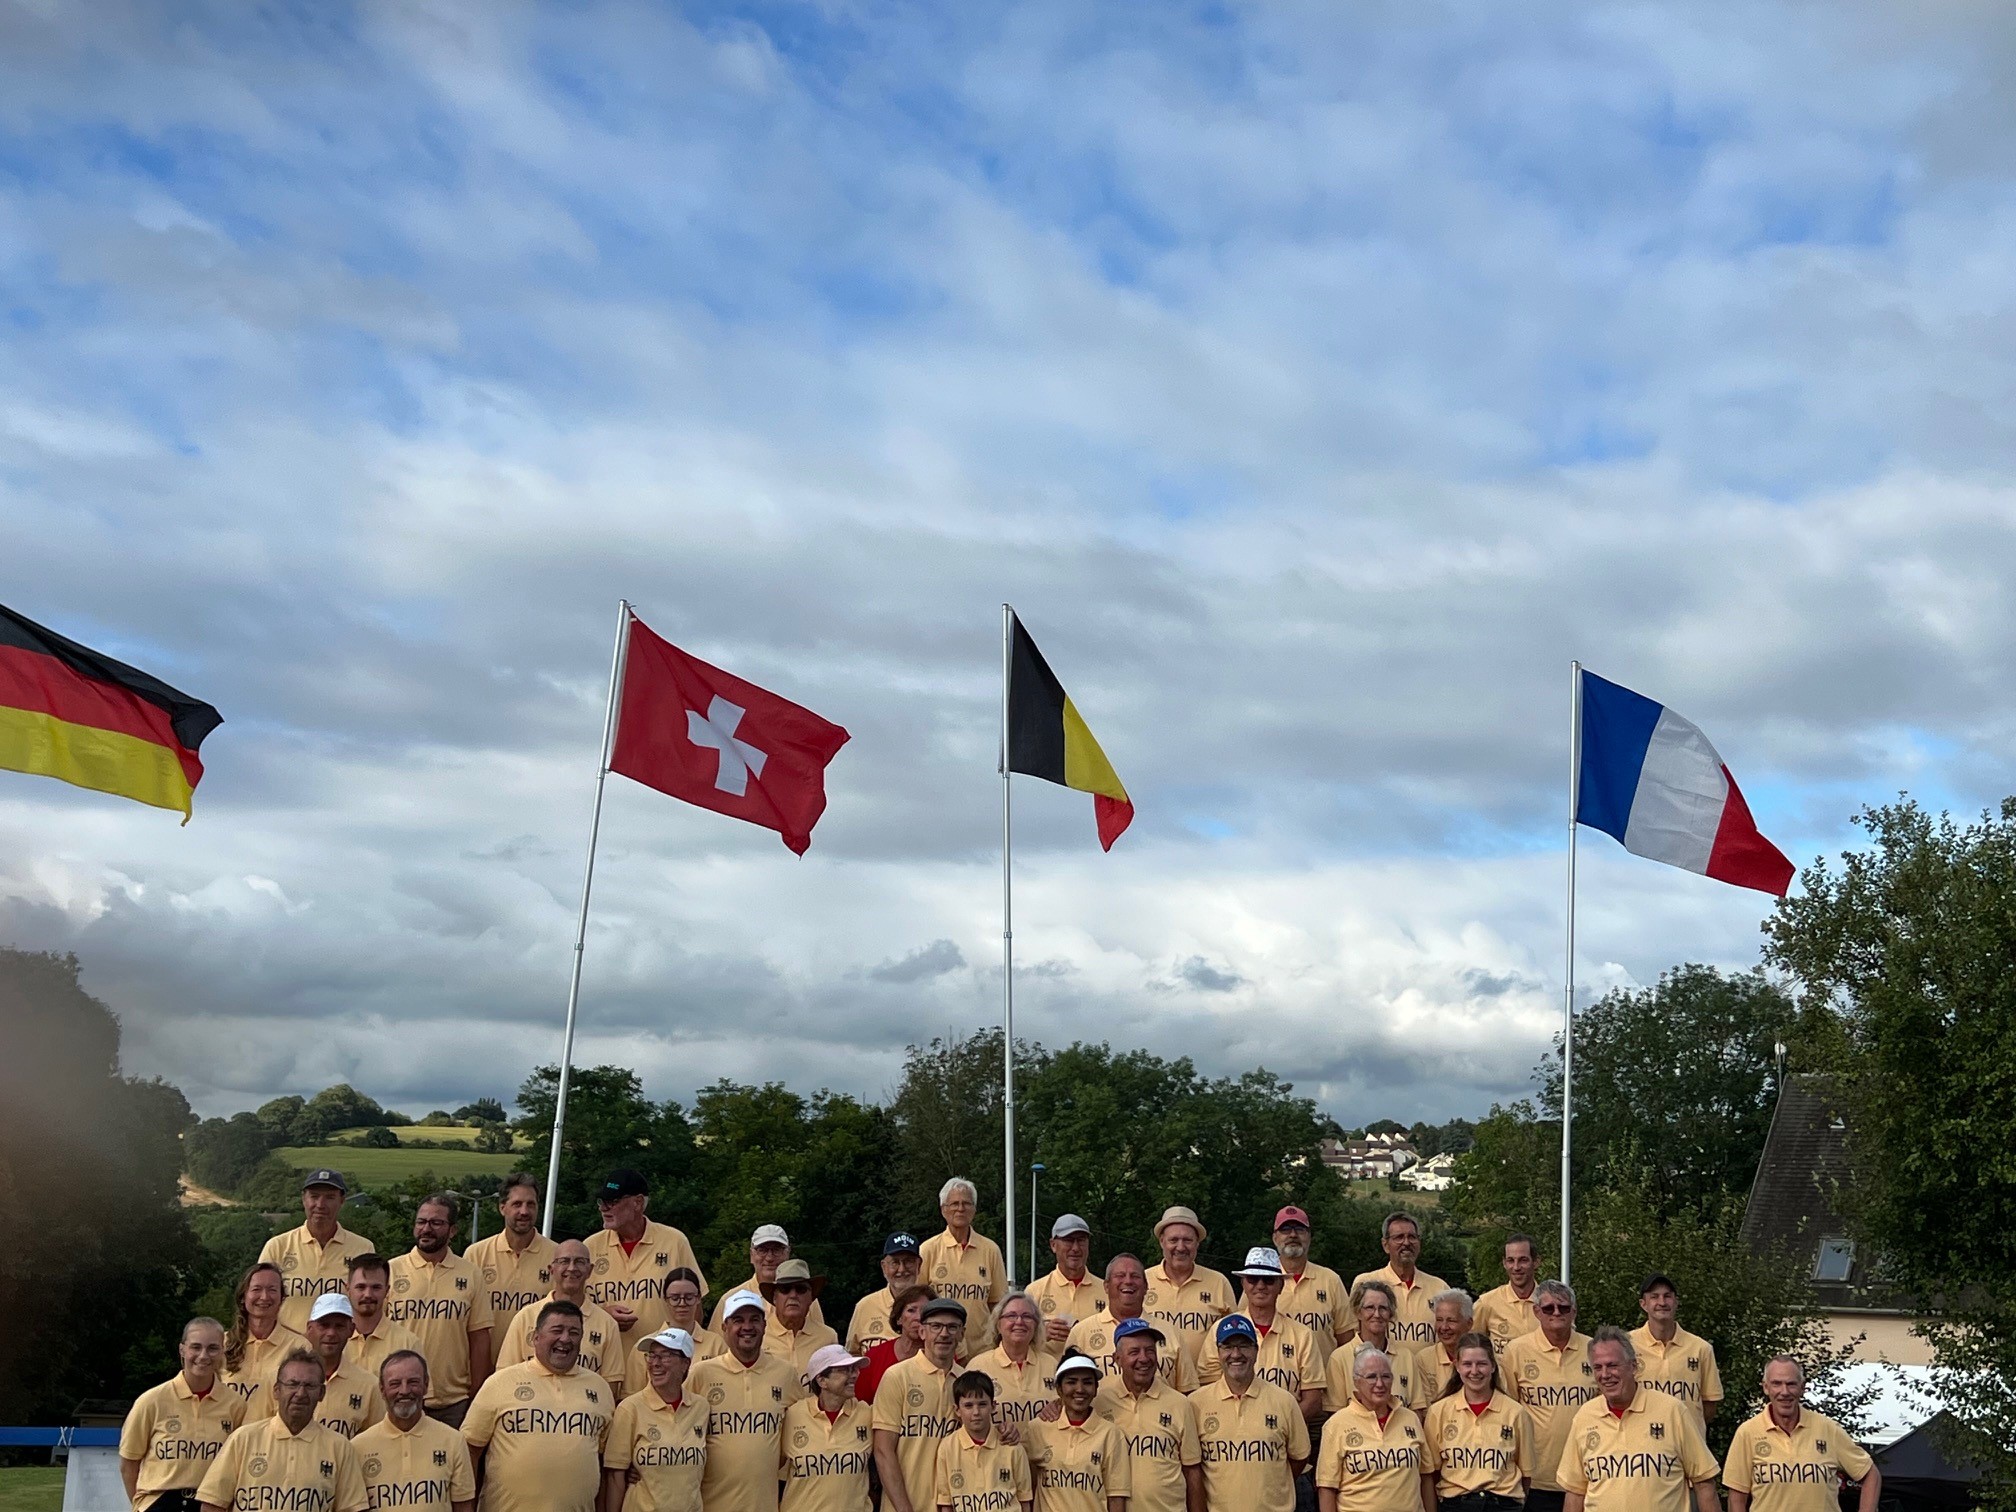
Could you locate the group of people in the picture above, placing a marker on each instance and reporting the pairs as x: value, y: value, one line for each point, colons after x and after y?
x: 527, y: 1375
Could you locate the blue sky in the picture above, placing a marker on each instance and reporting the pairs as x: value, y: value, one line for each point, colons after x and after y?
x: 1316, y: 380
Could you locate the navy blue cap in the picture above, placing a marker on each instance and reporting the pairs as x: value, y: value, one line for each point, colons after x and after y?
x: 1128, y: 1328
x: 623, y: 1183
x: 1236, y: 1326
x: 901, y: 1244
x: 326, y: 1177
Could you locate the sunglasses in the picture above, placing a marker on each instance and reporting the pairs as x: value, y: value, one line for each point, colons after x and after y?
x: 1553, y: 1309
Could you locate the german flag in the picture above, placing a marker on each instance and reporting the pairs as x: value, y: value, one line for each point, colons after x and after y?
x: 1047, y: 737
x: 70, y: 712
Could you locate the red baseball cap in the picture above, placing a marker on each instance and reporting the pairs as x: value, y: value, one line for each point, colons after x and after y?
x: 1291, y: 1215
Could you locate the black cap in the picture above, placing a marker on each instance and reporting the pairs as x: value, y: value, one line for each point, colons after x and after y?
x: 901, y: 1244
x: 623, y: 1183
x: 939, y: 1305
x: 326, y: 1177
x: 1658, y: 1278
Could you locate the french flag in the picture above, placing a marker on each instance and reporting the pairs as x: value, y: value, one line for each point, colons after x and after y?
x: 1652, y: 780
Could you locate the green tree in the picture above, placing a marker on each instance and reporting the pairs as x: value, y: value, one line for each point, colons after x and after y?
x: 611, y: 1124
x: 1908, y: 946
x: 1509, y: 1181
x: 483, y: 1110
x: 222, y: 1153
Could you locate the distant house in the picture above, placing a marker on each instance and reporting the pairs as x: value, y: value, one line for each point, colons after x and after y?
x: 1435, y: 1174
x: 1792, y: 1211
x: 1373, y: 1158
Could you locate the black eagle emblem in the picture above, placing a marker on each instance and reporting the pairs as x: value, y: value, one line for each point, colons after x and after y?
x: 1505, y: 1434
x: 1168, y: 1421
x: 440, y: 1457
x: 776, y: 1393
x: 328, y: 1469
x: 661, y: 1259
x: 1273, y: 1422
x: 461, y: 1283
x: 1659, y: 1430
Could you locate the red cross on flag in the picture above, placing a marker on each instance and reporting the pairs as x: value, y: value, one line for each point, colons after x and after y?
x: 695, y: 732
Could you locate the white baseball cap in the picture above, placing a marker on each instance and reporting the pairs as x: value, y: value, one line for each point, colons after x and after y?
x: 672, y: 1338
x: 1068, y: 1224
x: 735, y: 1301
x: 830, y: 1357
x: 1073, y: 1362
x: 329, y: 1304
x: 770, y: 1233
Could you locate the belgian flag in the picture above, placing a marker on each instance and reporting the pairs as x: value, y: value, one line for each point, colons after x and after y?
x: 70, y: 712
x: 1047, y: 737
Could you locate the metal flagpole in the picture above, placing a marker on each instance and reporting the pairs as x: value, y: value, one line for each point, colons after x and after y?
x: 581, y: 929
x: 1568, y: 992
x: 1007, y: 969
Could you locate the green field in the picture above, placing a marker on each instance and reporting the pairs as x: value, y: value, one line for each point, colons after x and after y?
x: 39, y: 1489
x: 451, y: 1134
x: 371, y: 1166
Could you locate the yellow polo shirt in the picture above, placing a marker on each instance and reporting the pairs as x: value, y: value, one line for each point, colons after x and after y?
x: 1434, y: 1370
x: 443, y: 1302
x: 745, y: 1429
x: 1503, y: 1315
x: 601, y: 1342
x: 1373, y: 1468
x: 261, y: 1358
x: 1093, y: 1338
x: 913, y: 1400
x: 1058, y: 1296
x: 826, y: 1459
x: 1247, y: 1443
x: 351, y: 1401
x: 371, y: 1350
x: 973, y: 1273
x: 1077, y: 1465
x: 1020, y: 1391
x: 175, y: 1434
x: 1641, y: 1462
x: 637, y: 1369
x: 636, y: 1277
x: 795, y: 1349
x: 1187, y: 1312
x: 262, y: 1462
x: 1288, y: 1357
x: 1319, y: 1300
x: 1789, y: 1472
x: 870, y: 1323
x: 1413, y: 1318
x: 1479, y: 1451
x: 970, y: 1477
x: 1684, y: 1369
x: 542, y: 1437
x: 1159, y: 1429
x: 666, y: 1444
x: 1338, y: 1380
x: 815, y: 1318
x: 514, y: 1278
x: 425, y: 1467
x: 1551, y: 1384
x: 309, y: 1268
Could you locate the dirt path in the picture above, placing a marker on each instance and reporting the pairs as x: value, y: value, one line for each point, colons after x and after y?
x: 196, y: 1196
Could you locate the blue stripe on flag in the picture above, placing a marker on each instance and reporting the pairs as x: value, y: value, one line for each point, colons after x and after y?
x: 1617, y: 729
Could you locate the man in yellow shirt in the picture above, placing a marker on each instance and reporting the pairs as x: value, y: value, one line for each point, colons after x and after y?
x: 350, y: 1401
x: 407, y: 1458
x: 1374, y: 1457
x: 660, y: 1433
x: 1787, y: 1459
x: 601, y: 1340
x: 1079, y: 1459
x: 536, y: 1429
x: 914, y: 1410
x: 769, y: 1247
x: 870, y: 1324
x: 375, y: 1338
x: 1287, y: 1355
x: 1505, y: 1312
x: 314, y: 1258
x: 1435, y: 1363
x: 632, y: 1256
x: 1072, y: 1291
x: 1672, y: 1360
x: 1184, y: 1298
x: 1313, y: 1295
x: 829, y: 1448
x: 1413, y: 1318
x: 964, y: 1265
x: 1252, y: 1434
x: 746, y: 1391
x: 1548, y: 1371
x: 514, y: 1261
x: 1156, y: 1422
x: 440, y: 1296
x: 173, y: 1431
x: 289, y: 1459
x: 1633, y: 1449
x: 793, y: 1330
x: 1095, y: 1337
x: 975, y: 1471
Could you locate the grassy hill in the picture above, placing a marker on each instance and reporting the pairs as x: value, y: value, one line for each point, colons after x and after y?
x: 373, y: 1166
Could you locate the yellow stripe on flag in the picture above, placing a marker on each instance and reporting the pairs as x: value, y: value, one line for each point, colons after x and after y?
x: 1085, y: 765
x: 103, y: 760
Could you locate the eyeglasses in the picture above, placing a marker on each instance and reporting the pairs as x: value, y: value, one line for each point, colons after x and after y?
x: 1553, y: 1309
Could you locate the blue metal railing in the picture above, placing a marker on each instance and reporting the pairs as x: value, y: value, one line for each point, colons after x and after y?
x: 59, y: 1438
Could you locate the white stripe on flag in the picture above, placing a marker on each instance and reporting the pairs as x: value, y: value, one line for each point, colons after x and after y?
x: 1680, y: 798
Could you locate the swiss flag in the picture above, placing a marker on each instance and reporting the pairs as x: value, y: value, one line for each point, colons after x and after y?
x: 695, y: 732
